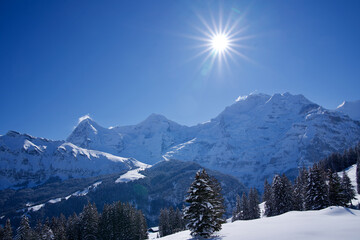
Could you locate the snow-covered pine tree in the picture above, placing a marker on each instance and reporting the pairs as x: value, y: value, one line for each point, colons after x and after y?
x: 297, y: 196
x: 288, y: 194
x: 90, y: 222
x: 73, y: 227
x: 237, y: 210
x: 105, y: 223
x: 336, y: 197
x: 218, y: 202
x: 254, y: 210
x: 316, y: 190
x: 24, y: 231
x: 202, y: 213
x: 244, y: 210
x: 164, y: 223
x: 348, y: 189
x: 43, y: 231
x: 8, y: 234
x: 58, y: 226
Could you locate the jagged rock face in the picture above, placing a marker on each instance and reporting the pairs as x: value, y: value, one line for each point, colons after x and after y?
x: 253, y: 139
x: 26, y: 161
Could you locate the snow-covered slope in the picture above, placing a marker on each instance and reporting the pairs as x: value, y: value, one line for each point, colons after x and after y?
x: 330, y: 223
x: 254, y: 138
x: 29, y: 161
x: 350, y: 108
x: 262, y: 135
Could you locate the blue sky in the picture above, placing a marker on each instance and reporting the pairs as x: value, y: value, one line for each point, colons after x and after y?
x: 120, y: 61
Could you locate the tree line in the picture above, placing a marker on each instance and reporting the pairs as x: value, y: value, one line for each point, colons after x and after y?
x: 118, y: 221
x: 313, y: 189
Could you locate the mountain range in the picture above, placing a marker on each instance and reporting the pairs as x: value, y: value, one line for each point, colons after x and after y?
x: 254, y: 138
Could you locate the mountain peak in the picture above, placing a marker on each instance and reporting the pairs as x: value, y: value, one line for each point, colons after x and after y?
x: 350, y: 108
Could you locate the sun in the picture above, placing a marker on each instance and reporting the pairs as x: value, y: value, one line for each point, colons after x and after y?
x: 221, y: 40
x: 220, y: 43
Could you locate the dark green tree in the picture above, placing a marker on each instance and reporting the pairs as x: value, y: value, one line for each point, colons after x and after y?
x: 203, y: 213
x: 348, y: 189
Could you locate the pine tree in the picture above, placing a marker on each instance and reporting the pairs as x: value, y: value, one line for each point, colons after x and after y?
x: 254, y: 210
x: 336, y: 197
x: 24, y: 231
x: 164, y: 224
x: 316, y: 190
x: 8, y: 234
x: 244, y: 213
x: 267, y: 191
x: 348, y: 190
x: 203, y: 212
x: 237, y: 210
x: 89, y: 221
x: 218, y: 203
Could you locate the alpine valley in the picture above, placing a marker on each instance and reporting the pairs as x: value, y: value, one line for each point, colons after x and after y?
x: 151, y: 164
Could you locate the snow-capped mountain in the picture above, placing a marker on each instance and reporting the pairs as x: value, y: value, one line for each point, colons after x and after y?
x: 352, y: 109
x: 254, y: 138
x: 29, y: 161
x: 146, y: 141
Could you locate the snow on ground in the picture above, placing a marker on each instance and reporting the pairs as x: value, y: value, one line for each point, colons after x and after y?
x: 132, y: 174
x: 330, y: 223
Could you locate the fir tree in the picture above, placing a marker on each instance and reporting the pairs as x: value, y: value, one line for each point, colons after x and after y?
x: 237, y: 210
x: 203, y: 212
x: 244, y: 209
x: 254, y: 210
x: 24, y: 231
x: 267, y: 191
x: 336, y: 197
x: 348, y: 190
x: 89, y: 222
x: 164, y: 224
x: 8, y: 234
x: 316, y: 190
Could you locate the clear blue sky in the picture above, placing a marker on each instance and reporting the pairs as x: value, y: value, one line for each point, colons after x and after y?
x: 120, y: 61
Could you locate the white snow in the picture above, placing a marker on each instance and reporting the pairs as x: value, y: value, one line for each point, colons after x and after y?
x: 132, y: 175
x: 330, y: 223
x: 56, y: 200
x: 36, y: 207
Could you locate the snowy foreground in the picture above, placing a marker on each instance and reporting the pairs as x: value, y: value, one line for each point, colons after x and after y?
x: 330, y: 223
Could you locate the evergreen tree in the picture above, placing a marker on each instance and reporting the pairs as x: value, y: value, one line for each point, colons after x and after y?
x: 8, y: 234
x: 58, y: 226
x: 267, y: 191
x: 73, y: 228
x: 254, y: 209
x: 244, y: 209
x: 237, y: 210
x: 203, y: 212
x: 316, y: 190
x: 89, y: 222
x: 348, y: 190
x: 336, y: 197
x: 24, y: 231
x: 164, y: 224
x: 217, y: 201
